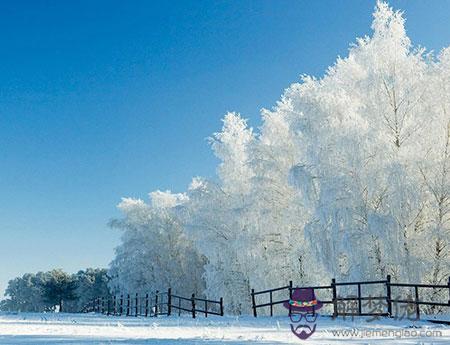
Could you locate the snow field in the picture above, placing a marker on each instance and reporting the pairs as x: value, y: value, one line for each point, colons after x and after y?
x: 34, y: 328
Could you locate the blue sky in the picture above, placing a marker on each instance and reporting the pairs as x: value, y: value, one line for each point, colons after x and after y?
x: 104, y: 99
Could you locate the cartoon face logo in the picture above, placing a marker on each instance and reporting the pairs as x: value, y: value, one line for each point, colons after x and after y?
x: 303, y: 307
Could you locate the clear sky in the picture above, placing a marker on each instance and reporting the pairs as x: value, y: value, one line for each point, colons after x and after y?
x: 104, y: 99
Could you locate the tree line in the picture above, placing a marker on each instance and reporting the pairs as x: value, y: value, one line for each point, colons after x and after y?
x: 348, y: 176
x: 55, y: 290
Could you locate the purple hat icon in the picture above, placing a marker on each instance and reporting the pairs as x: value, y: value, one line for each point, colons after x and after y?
x: 303, y: 300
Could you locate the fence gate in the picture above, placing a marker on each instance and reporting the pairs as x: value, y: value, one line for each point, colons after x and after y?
x: 363, y: 298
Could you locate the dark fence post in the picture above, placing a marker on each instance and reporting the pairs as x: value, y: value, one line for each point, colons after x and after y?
x: 206, y: 308
x: 115, y: 305
x: 271, y: 305
x: 416, y: 291
x: 333, y: 287
x: 146, y: 304
x: 193, y: 305
x: 108, y: 306
x: 359, y: 300
x: 137, y: 302
x: 169, y: 301
x: 221, y: 306
x: 156, y: 303
x: 253, y: 302
x: 388, y: 295
x: 103, y: 305
x: 128, y: 304
x: 121, y: 305
x: 448, y: 284
x: 290, y: 296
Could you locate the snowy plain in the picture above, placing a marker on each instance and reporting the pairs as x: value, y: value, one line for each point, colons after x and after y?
x: 35, y: 328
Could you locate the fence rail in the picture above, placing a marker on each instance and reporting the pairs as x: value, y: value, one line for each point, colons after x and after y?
x: 192, y: 305
x: 165, y: 303
x: 385, y: 296
x: 155, y: 304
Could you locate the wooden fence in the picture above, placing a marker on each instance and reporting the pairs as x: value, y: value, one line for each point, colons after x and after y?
x: 153, y: 305
x: 195, y: 304
x: 383, y: 300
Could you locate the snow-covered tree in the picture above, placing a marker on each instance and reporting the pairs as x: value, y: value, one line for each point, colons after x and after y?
x: 56, y: 289
x: 347, y: 177
x: 90, y: 283
x: 26, y: 293
x: 155, y: 253
x: 217, y: 217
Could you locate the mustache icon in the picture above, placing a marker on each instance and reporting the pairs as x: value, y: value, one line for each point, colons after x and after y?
x: 303, y: 334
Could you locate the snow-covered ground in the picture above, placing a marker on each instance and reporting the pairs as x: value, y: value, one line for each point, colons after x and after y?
x: 28, y: 328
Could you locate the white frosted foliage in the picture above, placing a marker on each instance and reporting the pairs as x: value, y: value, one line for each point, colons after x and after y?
x: 347, y: 177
